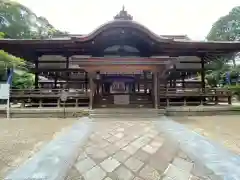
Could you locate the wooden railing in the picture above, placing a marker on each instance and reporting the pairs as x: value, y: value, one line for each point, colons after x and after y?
x: 49, y: 97
x: 46, y: 93
x: 195, y: 92
x: 193, y: 96
x: 79, y: 97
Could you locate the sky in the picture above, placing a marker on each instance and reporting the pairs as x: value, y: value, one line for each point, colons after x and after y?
x: 164, y: 17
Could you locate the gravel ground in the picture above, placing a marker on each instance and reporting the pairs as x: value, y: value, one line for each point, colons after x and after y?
x: 223, y: 129
x: 21, y: 138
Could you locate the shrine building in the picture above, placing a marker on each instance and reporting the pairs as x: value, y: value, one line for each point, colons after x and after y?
x: 120, y: 64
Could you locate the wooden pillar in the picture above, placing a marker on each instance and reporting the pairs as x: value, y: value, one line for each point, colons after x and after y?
x: 175, y: 77
x: 68, y: 73
x: 152, y: 88
x: 40, y: 103
x: 55, y: 80
x: 202, y: 80
x: 23, y: 104
x: 86, y: 81
x: 58, y: 102
x: 91, y: 93
x: 183, y: 79
x: 145, y: 81
x: 36, y: 83
x: 76, y: 103
x: 202, y: 75
x: 134, y: 87
x: 98, y: 78
x: 156, y: 93
x: 229, y: 99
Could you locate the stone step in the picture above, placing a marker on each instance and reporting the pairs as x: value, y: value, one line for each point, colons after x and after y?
x: 129, y: 110
x: 125, y: 116
x: 127, y: 113
x: 138, y: 106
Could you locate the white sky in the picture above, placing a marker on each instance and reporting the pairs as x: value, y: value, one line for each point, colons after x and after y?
x: 172, y: 17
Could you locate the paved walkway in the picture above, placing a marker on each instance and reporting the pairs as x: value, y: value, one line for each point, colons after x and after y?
x: 131, y: 150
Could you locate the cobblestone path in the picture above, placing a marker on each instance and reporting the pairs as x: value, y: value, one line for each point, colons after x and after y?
x: 131, y: 150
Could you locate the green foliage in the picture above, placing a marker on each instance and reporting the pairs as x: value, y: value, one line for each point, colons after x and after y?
x: 9, y: 61
x: 1, y: 35
x: 235, y: 89
x: 23, y: 81
x: 227, y: 28
x: 19, y: 22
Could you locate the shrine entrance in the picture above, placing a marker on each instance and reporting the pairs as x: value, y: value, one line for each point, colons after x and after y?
x: 123, y: 81
x: 123, y: 90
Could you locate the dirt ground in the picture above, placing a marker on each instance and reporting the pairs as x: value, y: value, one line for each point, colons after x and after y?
x: 223, y: 129
x: 21, y: 138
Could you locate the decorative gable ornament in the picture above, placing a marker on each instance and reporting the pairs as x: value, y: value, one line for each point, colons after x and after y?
x: 123, y: 15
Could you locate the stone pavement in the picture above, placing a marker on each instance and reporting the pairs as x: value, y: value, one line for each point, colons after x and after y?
x: 132, y: 150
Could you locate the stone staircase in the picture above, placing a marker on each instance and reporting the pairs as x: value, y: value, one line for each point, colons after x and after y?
x: 126, y: 113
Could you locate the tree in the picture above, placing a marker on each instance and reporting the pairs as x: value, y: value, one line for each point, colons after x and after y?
x: 227, y: 28
x: 216, y: 72
x: 19, y: 22
x: 23, y: 81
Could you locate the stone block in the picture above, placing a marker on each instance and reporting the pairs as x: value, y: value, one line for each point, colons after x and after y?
x: 123, y: 173
x: 183, y: 164
x: 111, y: 149
x: 110, y: 164
x: 164, y: 154
x: 112, y: 139
x: 98, y: 155
x: 82, y: 156
x: 130, y: 149
x: 119, y: 135
x: 176, y: 173
x: 149, y: 173
x: 141, y: 155
x: 108, y: 178
x: 159, y: 164
x: 167, y: 178
x: 150, y: 149
x: 137, y: 178
x: 121, y: 156
x: 134, y: 164
x: 85, y: 165
x: 122, y: 143
x: 74, y: 174
x: 94, y: 173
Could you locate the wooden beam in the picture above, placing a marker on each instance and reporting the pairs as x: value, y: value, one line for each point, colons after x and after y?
x: 91, y: 84
x: 156, y: 93
x: 36, y: 73
x: 203, y: 75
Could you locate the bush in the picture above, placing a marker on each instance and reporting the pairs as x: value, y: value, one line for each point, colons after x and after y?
x: 235, y: 89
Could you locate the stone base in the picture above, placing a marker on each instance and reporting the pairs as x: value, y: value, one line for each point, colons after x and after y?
x: 202, y: 110
x: 45, y: 112
x: 122, y: 112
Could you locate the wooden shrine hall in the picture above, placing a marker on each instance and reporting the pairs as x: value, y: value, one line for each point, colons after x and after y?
x: 120, y: 64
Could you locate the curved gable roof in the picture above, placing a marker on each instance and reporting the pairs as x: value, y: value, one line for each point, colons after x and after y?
x: 123, y: 24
